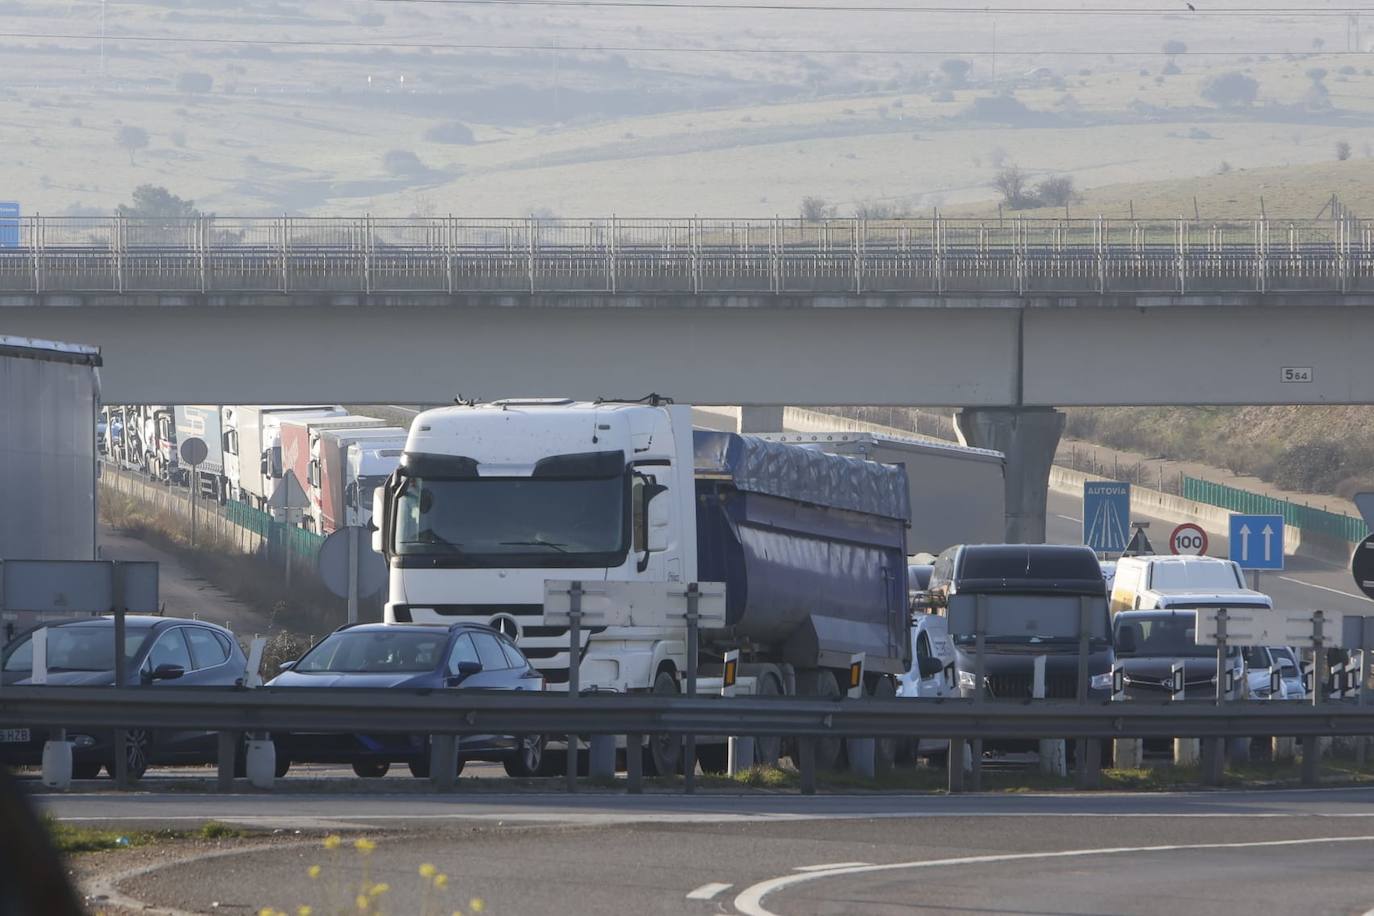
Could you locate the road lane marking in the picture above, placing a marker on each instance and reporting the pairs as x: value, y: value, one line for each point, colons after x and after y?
x: 1068, y: 518
x: 1325, y: 588
x: 708, y: 891
x: 749, y: 902
x: 832, y: 865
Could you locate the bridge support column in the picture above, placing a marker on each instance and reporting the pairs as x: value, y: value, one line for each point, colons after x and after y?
x: 766, y: 419
x: 1028, y: 436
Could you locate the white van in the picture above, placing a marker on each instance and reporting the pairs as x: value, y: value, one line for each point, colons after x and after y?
x: 1151, y: 583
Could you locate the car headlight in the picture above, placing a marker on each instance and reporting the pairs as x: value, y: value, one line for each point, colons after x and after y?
x: 82, y: 741
x: 1101, y: 681
x: 968, y: 680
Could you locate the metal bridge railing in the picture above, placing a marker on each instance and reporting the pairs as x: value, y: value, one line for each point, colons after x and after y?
x: 694, y: 255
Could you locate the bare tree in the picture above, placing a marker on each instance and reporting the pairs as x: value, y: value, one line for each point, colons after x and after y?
x: 815, y: 209
x: 1011, y: 183
x: 1342, y: 150
x: 132, y: 139
x: 956, y: 71
x: 1056, y: 191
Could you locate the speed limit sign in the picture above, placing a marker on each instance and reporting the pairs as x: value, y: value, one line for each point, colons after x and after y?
x: 1188, y: 540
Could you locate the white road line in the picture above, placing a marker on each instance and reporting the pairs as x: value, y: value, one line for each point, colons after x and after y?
x: 831, y: 865
x: 1068, y: 518
x: 749, y: 902
x: 708, y: 891
x: 1325, y: 588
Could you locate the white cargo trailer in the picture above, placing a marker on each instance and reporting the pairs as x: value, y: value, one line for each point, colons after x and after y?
x: 49, y: 405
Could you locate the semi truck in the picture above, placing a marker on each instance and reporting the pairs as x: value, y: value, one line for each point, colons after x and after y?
x: 252, y: 445
x: 491, y: 501
x: 204, y: 422
x: 369, y: 465
x: 297, y: 439
x: 327, y: 475
x: 958, y: 494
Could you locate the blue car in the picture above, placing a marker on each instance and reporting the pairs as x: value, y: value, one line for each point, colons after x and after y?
x: 159, y: 651
x: 464, y: 656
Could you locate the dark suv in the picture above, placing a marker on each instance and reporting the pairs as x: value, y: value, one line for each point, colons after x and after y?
x: 158, y: 651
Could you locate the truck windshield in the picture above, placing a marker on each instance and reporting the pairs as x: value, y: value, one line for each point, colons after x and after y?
x: 1030, y: 620
x: 513, y: 521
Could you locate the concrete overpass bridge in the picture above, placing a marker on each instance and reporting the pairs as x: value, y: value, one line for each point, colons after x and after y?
x: 1006, y: 320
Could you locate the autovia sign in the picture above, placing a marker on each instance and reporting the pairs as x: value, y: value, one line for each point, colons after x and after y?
x: 1106, y: 515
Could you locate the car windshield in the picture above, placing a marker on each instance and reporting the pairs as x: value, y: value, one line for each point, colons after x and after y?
x: 1169, y: 636
x: 505, y: 521
x: 76, y: 648
x: 374, y: 652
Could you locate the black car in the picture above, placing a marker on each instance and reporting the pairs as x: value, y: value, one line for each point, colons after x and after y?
x: 159, y: 652
x: 466, y: 656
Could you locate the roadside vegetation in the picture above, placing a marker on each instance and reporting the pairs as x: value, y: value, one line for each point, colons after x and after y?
x: 70, y: 839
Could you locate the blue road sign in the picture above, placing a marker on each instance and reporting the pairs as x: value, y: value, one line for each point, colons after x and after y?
x: 1106, y: 515
x: 1257, y: 541
x: 9, y: 224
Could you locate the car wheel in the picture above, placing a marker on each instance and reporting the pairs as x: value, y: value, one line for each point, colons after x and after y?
x: 665, y: 751
x: 371, y: 769
x: 419, y: 766
x: 884, y: 749
x: 136, y: 746
x: 527, y: 758
x: 820, y: 684
x: 283, y: 765
x: 85, y: 769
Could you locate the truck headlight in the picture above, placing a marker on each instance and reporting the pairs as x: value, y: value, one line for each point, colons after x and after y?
x: 1101, y: 681
x: 968, y: 680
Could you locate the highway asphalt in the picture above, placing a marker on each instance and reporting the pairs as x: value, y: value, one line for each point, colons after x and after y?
x: 1196, y: 853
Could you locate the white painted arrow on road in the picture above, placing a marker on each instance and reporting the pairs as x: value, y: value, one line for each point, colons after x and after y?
x: 1244, y: 543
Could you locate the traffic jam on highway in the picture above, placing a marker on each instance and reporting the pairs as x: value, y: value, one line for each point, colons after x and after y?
x: 847, y: 564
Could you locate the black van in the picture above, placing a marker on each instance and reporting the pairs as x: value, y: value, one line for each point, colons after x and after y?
x: 1033, y: 596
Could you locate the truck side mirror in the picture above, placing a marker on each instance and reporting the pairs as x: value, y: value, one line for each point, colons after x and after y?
x: 378, y: 521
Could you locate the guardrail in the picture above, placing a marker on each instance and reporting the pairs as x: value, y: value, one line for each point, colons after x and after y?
x: 695, y: 256
x: 1311, y: 521
x: 231, y: 710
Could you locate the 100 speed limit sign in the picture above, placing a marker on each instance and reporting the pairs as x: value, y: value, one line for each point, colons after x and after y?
x: 1188, y: 540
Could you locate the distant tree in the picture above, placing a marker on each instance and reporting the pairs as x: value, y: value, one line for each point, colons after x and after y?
x: 1174, y: 48
x: 1230, y: 90
x: 193, y: 82
x: 1318, y: 44
x: 1342, y: 150
x: 402, y: 163
x: 1056, y: 191
x: 151, y: 201
x: 955, y: 71
x: 450, y: 132
x: 1012, y: 184
x: 873, y: 210
x: 815, y: 209
x: 132, y: 139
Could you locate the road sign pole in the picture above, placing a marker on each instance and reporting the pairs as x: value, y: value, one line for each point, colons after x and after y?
x: 574, y: 674
x: 353, y: 573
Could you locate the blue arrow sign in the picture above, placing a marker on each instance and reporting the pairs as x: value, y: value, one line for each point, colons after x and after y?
x: 1257, y: 541
x: 1106, y: 515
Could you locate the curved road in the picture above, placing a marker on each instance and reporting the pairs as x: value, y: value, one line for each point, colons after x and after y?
x: 756, y: 854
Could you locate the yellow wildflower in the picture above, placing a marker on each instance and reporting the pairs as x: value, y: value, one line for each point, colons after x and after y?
x: 313, y: 871
x: 476, y: 904
x: 303, y: 910
x: 441, y: 881
x: 428, y: 871
x: 378, y: 889
x: 363, y: 902
x: 332, y: 842
x: 267, y: 911
x: 364, y: 845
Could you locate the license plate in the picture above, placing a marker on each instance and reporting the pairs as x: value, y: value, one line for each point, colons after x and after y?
x: 14, y: 736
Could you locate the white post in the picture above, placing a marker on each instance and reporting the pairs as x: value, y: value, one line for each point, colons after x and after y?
x: 740, y: 750
x: 1053, y: 752
x: 861, y: 751
x: 1128, y: 753
x: 1187, y: 751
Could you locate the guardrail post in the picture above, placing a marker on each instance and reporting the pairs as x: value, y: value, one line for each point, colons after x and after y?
x: 694, y: 244
x: 282, y: 227
x: 531, y: 226
x: 36, y: 245
x: 1101, y: 255
x: 450, y: 229
x: 226, y: 745
x: 938, y: 253
x: 611, y: 278
x: 954, y: 763
x: 860, y: 239
x: 1181, y: 259
x: 634, y: 762
x: 202, y: 253
x: 574, y: 669
x: 806, y: 750
x: 367, y: 253
x: 443, y: 761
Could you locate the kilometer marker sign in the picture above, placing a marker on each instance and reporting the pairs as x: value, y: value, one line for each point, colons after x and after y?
x: 1188, y: 540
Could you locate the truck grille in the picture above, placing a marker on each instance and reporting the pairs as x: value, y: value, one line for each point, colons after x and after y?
x: 1019, y: 686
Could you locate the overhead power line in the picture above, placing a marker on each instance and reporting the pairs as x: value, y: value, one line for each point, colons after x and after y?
x: 1247, y: 11
x: 676, y: 49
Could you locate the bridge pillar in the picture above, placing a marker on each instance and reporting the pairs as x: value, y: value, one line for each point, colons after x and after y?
x: 767, y: 419
x: 1028, y: 436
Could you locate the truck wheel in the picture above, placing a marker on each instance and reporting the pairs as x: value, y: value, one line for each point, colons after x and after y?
x: 665, y: 751
x: 714, y: 758
x: 884, y: 749
x: 370, y: 769
x: 768, y: 750
x: 820, y: 684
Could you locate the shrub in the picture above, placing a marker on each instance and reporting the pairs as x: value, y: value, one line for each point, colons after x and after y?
x: 450, y: 132
x: 1311, y: 467
x: 1057, y: 191
x: 955, y: 71
x: 1012, y: 184
x: 1342, y: 150
x: 402, y: 163
x: 194, y: 82
x: 815, y: 209
x: 1230, y: 90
